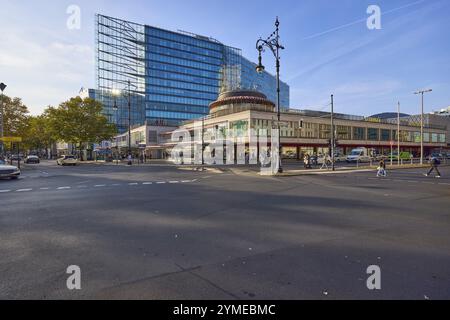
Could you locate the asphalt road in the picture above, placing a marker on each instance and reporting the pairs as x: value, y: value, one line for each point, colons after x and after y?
x: 160, y: 232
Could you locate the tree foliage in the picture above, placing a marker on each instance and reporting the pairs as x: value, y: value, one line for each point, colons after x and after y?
x: 77, y: 121
x: 80, y: 122
x: 15, y: 115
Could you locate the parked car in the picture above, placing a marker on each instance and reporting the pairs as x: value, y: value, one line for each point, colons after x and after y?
x: 16, y: 157
x: 32, y: 159
x: 359, y: 155
x: 7, y: 171
x: 67, y: 161
x: 403, y: 156
x: 338, y: 157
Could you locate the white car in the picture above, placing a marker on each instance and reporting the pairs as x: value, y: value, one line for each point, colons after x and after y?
x: 7, y: 171
x: 67, y: 161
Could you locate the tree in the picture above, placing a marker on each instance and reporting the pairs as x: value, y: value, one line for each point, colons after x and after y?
x: 80, y: 122
x: 14, y: 117
x: 39, y: 134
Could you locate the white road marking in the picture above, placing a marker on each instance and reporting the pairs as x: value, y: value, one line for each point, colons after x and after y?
x: 100, y: 186
x: 186, y: 181
x: 5, y: 191
x: 133, y: 184
x: 172, y: 182
x: 161, y: 182
x: 147, y: 183
x: 64, y: 188
x: 24, y: 190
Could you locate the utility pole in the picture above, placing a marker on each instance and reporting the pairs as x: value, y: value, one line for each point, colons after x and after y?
x: 398, y: 133
x: 333, y: 138
x: 421, y: 92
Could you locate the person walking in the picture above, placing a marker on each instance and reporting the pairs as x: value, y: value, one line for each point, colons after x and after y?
x: 382, y: 169
x: 306, y: 161
x: 434, y: 162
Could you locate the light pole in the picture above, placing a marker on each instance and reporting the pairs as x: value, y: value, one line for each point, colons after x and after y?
x: 129, y: 118
x: 2, y: 88
x: 273, y: 43
x: 333, y: 137
x: 421, y: 92
x: 398, y: 134
x: 115, y: 93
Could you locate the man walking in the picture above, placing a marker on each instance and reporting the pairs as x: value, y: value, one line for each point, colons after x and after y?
x: 434, y: 162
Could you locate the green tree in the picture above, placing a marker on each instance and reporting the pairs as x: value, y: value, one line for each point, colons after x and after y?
x: 80, y: 122
x: 15, y: 115
x: 39, y: 134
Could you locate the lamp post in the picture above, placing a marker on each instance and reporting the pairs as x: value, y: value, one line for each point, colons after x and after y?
x: 115, y: 93
x: 421, y: 92
x: 2, y: 88
x: 273, y: 43
x: 129, y: 119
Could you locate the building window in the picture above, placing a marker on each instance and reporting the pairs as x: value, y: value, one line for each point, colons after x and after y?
x: 385, y: 135
x: 344, y: 133
x: 426, y: 137
x: 417, y: 137
x: 324, y: 131
x: 442, y: 138
x: 372, y: 134
x: 434, y: 137
x: 359, y: 133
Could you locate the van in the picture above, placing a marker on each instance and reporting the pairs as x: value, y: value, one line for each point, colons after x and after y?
x: 359, y: 155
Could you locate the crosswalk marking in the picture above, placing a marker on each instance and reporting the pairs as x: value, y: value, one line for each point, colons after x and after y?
x: 103, y: 185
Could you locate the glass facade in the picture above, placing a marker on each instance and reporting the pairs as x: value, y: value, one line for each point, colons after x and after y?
x: 170, y: 76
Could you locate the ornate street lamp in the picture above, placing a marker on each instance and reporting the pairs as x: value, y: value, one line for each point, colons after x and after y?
x: 273, y: 43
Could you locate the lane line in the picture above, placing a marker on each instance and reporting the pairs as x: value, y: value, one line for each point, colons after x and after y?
x: 147, y: 183
x: 24, y: 190
x: 100, y: 186
x: 5, y: 191
x: 64, y: 188
x: 133, y: 184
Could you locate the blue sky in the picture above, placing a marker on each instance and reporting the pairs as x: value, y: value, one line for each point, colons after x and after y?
x: 329, y: 48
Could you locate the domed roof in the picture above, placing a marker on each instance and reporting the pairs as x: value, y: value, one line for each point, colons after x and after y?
x: 241, y: 96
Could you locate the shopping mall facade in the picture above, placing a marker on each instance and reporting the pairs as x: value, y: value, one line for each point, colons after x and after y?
x: 236, y: 114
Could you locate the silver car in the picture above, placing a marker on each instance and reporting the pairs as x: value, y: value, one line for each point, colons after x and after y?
x: 7, y: 171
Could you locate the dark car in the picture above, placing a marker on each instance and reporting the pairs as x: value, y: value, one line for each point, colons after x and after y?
x: 32, y: 159
x: 16, y: 157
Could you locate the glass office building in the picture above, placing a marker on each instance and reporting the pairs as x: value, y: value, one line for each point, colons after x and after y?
x: 166, y: 77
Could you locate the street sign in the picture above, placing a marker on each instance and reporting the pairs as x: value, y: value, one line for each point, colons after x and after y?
x: 11, y: 139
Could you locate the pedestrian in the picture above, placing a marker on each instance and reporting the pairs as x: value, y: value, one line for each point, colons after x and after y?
x: 434, y: 162
x: 130, y: 159
x: 382, y: 169
x: 306, y: 161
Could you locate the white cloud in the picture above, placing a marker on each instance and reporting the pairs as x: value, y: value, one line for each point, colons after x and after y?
x: 44, y: 73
